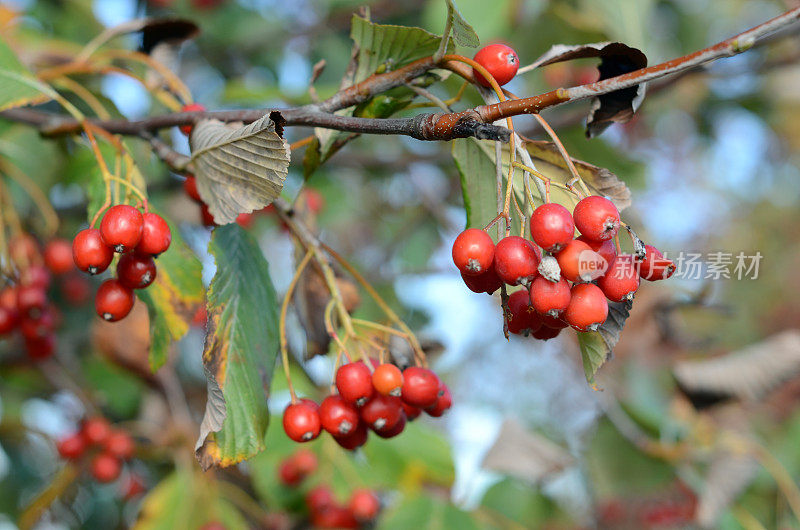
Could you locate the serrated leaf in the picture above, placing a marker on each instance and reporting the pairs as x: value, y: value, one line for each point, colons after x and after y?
x: 478, y: 182
x: 241, y: 347
x: 239, y: 169
x: 597, y: 347
x: 18, y: 86
x: 173, y: 298
x: 463, y: 33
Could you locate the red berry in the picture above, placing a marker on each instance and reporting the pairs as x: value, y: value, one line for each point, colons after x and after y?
x: 288, y: 473
x: 121, y: 227
x: 105, y: 468
x: 606, y: 249
x: 381, y: 413
x: 622, y: 279
x: 38, y: 328
x: 355, y: 439
x: 552, y: 226
x: 364, y: 505
x: 205, y: 214
x: 420, y: 387
x: 90, y: 252
x: 554, y: 322
x: 546, y: 333
x: 549, y: 298
x: 24, y: 249
x: 354, y: 382
x: 515, y: 260
x: 75, y: 289
x: 578, y: 262
x: 136, y: 271
x: 71, y: 447
x: 486, y: 282
x: 119, y: 444
x: 523, y: 319
x: 387, y: 379
x: 305, y: 461
x: 655, y: 266
x: 8, y: 298
x: 31, y: 300
x: 596, y: 217
x: 58, y: 256
x: 301, y: 421
x: 500, y: 61
x: 156, y: 235
x: 337, y: 416
x: 245, y: 220
x: 193, y: 107
x: 587, y: 308
x: 133, y: 487
x: 319, y: 497
x: 113, y: 301
x: 190, y: 188
x: 333, y: 516
x: 37, y: 275
x: 411, y: 411
x: 8, y: 320
x: 40, y: 348
x: 394, y: 431
x: 473, y: 251
x: 315, y: 202
x: 443, y: 402
x: 95, y: 430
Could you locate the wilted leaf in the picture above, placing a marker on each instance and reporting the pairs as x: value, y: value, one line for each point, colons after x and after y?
x: 478, y: 182
x: 239, y: 169
x: 18, y: 86
x: 525, y: 455
x: 728, y: 476
x: 462, y: 31
x: 125, y: 343
x: 597, y: 347
x: 241, y: 347
x: 747, y: 374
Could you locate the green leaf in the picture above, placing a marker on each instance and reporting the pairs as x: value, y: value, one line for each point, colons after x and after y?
x: 462, y: 31
x: 240, y: 350
x: 173, y: 298
x: 18, y: 86
x: 478, y: 182
x: 594, y: 353
x: 522, y: 503
x: 426, y: 511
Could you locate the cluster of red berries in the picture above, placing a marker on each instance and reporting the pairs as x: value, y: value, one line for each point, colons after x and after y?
x: 109, y: 447
x: 27, y: 306
x: 326, y: 512
x: 571, y: 283
x: 139, y: 239
x: 381, y: 399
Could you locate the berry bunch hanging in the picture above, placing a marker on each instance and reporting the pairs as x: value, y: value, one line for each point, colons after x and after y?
x: 137, y: 238
x: 107, y: 447
x: 566, y: 281
x: 380, y: 398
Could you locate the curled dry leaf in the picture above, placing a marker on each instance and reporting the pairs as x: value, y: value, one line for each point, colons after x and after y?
x: 728, y: 476
x: 239, y: 169
x: 126, y: 343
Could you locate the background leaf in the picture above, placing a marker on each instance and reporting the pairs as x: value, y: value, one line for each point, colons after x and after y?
x: 462, y: 31
x: 18, y: 86
x: 241, y: 346
x: 478, y: 182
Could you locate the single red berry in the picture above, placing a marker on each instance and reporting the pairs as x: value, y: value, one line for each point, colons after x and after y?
x: 305, y: 461
x: 121, y: 227
x: 332, y: 516
x: 420, y: 387
x: 354, y: 382
x: 554, y: 322
x: 606, y: 249
x: 136, y: 271
x: 156, y: 235
x: 58, y: 256
x: 486, y: 282
x: 319, y: 497
x: 394, y: 431
x: 31, y: 300
x: 119, y: 444
x: 473, y: 251
x: 337, y: 416
x: 587, y: 308
x: 8, y: 297
x: 71, y: 447
x: 552, y: 226
x: 546, y: 333
x: 549, y: 298
x: 207, y: 218
x: 387, y: 379
x: 192, y: 107
x: 578, y: 262
x: 410, y: 410
x: 364, y: 505
x: 75, y: 289
x: 443, y: 402
x: 38, y: 328
x: 301, y: 421
x: 288, y: 473
x: 105, y: 468
x: 190, y: 188
x: 8, y: 320
x: 500, y: 61
x: 355, y: 439
x: 596, y: 217
x: 315, y: 202
x: 37, y: 275
x: 515, y: 260
x: 95, y: 430
x: 245, y: 220
x: 522, y: 318
x: 113, y: 301
x: 655, y: 266
x: 40, y: 348
x: 622, y: 279
x: 90, y: 252
x: 381, y: 413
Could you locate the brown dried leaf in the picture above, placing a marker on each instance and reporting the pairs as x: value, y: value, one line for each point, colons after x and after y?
x: 526, y: 455
x: 126, y: 343
x: 728, y: 476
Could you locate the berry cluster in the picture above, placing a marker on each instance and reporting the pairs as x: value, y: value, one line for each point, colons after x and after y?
x: 567, y: 281
x: 110, y: 447
x: 139, y: 239
x: 381, y: 399
x: 326, y: 512
x: 27, y: 306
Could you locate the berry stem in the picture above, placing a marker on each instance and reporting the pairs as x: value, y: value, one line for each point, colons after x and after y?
x: 282, y: 322
x: 63, y: 479
x: 567, y: 159
x: 328, y: 318
x: 302, y: 143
